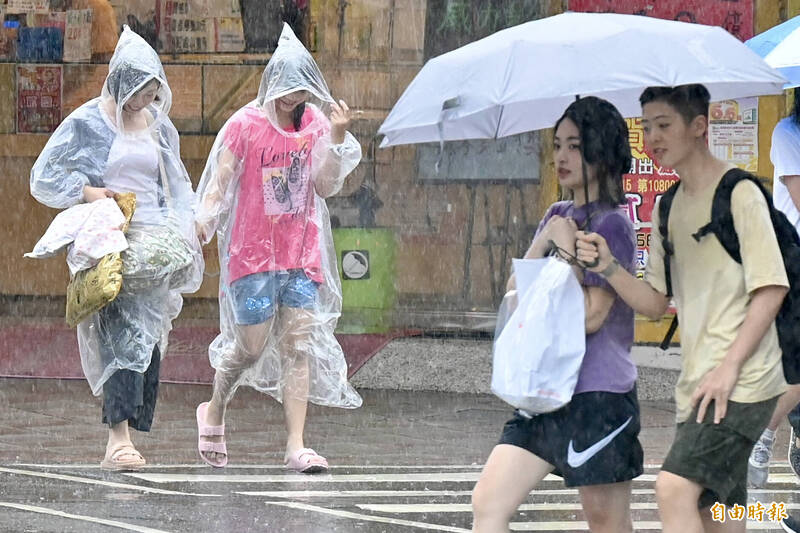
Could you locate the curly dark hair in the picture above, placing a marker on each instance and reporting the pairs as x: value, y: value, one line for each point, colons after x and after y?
x: 604, y: 143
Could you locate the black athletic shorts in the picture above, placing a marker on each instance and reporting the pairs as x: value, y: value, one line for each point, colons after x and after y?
x: 592, y: 440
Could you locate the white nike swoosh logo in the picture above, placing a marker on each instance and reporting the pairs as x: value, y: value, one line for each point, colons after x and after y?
x: 577, y: 459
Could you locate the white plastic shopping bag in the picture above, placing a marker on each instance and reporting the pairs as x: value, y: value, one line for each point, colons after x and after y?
x: 540, y: 342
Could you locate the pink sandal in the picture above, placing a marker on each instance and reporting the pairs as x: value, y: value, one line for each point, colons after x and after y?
x: 306, y: 461
x: 204, y: 430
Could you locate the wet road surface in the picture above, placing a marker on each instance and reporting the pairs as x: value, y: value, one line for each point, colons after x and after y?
x: 404, y: 462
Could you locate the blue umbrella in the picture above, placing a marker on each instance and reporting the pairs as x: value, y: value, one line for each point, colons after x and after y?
x: 780, y: 48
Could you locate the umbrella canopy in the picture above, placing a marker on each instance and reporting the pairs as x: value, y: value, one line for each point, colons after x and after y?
x: 522, y: 78
x: 780, y: 48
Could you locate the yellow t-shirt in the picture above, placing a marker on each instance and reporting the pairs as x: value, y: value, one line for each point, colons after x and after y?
x: 712, y: 291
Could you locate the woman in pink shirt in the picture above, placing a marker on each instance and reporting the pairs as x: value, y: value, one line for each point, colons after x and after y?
x: 262, y: 193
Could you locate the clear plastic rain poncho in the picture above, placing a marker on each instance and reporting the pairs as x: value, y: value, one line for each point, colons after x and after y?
x: 164, y: 257
x: 262, y: 192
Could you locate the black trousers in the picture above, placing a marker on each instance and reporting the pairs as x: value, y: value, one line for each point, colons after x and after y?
x: 131, y: 396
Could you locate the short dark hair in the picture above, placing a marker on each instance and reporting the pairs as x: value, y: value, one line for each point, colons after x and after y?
x: 796, y: 106
x: 688, y: 100
x: 604, y: 143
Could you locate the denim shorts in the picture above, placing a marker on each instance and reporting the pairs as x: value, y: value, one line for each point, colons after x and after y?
x: 256, y: 295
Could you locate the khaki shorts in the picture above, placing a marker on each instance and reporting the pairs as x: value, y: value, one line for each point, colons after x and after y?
x: 715, y: 455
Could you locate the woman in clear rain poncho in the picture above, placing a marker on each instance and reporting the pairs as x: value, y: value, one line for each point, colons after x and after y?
x: 262, y: 192
x: 123, y: 141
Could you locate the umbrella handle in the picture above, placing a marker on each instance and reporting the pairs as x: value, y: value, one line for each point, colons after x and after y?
x: 592, y: 264
x: 553, y: 248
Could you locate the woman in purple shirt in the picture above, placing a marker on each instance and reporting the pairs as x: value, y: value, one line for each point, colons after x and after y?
x: 592, y: 442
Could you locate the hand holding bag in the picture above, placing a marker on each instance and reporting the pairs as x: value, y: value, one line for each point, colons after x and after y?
x: 91, y: 289
x: 539, y: 345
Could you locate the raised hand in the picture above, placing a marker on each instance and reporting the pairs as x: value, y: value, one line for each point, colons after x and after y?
x: 341, y: 116
x: 562, y: 231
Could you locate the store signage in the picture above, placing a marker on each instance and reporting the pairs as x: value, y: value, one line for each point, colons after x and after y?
x: 38, y: 98
x: 355, y: 264
x: 78, y: 36
x: 736, y: 16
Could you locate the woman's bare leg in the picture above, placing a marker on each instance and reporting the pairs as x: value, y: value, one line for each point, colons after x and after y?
x: 508, y: 477
x: 250, y: 343
x: 295, y: 349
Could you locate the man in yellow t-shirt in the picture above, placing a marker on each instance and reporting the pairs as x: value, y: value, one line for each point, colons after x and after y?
x: 731, y: 373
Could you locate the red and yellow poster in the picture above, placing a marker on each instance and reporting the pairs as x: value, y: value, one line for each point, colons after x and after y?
x: 643, y: 186
x: 733, y: 132
x: 736, y: 16
x: 38, y: 98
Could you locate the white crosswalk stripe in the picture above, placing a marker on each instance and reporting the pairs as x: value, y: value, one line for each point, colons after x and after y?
x: 438, y: 499
x: 549, y: 508
x: 395, y: 498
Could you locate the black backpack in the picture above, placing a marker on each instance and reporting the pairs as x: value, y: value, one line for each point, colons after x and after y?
x: 788, y: 320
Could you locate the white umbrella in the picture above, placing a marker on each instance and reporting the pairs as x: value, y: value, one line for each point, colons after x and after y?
x: 521, y: 79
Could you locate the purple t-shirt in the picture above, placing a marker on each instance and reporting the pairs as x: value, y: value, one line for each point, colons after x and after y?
x: 607, y: 364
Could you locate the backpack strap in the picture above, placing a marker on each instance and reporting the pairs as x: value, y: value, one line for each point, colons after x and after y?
x: 664, y: 206
x: 721, y: 224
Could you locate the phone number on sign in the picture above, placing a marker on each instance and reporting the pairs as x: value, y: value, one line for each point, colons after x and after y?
x: 644, y: 185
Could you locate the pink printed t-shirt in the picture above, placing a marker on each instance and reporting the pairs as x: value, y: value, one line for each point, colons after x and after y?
x: 274, y: 227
